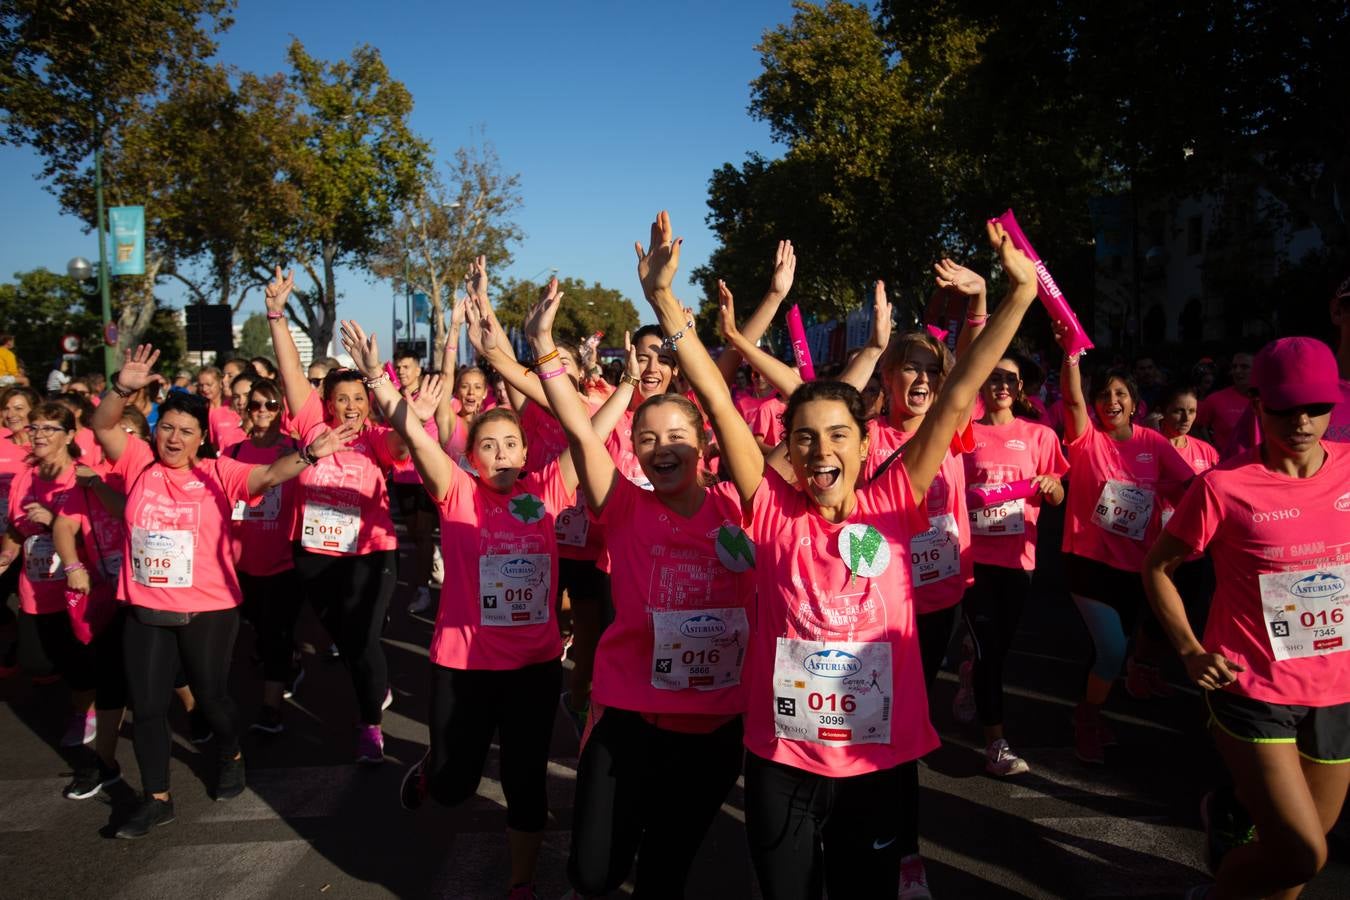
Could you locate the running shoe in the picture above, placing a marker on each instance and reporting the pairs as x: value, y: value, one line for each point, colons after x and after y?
x: 80, y: 729
x: 999, y: 759
x: 269, y: 720
x: 150, y: 814
x: 421, y: 603
x: 963, y: 704
x: 88, y: 782
x: 913, y: 879
x: 199, y: 730
x: 412, y: 792
x: 370, y: 744
x: 388, y: 698
x: 1226, y: 828
x: 1087, y: 734
x: 289, y: 691
x: 522, y: 892
x: 230, y: 779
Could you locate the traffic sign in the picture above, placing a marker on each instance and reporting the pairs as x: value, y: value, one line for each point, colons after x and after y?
x: 70, y: 343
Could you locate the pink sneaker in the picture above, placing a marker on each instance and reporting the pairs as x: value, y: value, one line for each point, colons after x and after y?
x: 80, y: 729
x: 370, y: 744
x: 913, y: 879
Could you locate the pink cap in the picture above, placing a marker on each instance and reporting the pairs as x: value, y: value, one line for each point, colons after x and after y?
x: 1295, y: 371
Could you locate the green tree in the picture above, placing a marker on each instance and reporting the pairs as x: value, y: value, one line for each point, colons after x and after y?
x: 255, y: 338
x: 40, y: 308
x: 585, y: 309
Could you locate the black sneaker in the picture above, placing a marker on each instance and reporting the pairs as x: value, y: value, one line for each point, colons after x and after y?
x: 200, y: 730
x: 150, y: 814
x: 269, y: 720
x: 88, y: 782
x: 1227, y: 826
x: 230, y: 780
x: 294, y: 684
x: 412, y: 793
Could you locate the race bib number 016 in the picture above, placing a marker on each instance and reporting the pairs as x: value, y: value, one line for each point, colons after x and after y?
x: 265, y: 510
x: 701, y: 649
x: 1124, y: 509
x: 836, y: 693
x: 1004, y: 518
x: 334, y: 528
x: 1307, y: 612
x: 40, y: 562
x: 935, y: 554
x: 161, y: 558
x: 514, y: 590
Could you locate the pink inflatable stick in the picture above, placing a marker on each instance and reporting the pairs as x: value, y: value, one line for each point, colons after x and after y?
x: 1056, y: 304
x: 797, y: 333
x: 979, y: 497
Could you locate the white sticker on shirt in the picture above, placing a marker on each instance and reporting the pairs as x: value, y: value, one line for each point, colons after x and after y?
x: 330, y: 527
x: 835, y: 693
x: 162, y: 559
x: 1124, y: 508
x: 935, y: 555
x: 1307, y: 612
x: 265, y: 510
x: 701, y: 649
x: 514, y: 590
x: 40, y: 562
x: 572, y: 526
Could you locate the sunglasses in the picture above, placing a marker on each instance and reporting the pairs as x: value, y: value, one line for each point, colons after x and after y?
x: 1312, y: 409
x: 269, y: 405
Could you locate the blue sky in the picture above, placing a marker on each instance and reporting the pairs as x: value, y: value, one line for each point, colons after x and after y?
x: 608, y: 111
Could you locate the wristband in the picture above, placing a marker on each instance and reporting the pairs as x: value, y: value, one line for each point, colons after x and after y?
x: 546, y: 358
x: 669, y: 343
x: 73, y: 567
x: 306, y: 457
x: 977, y: 319
x: 121, y: 391
x: 1071, y: 361
x: 378, y: 379
x: 545, y: 376
x: 275, y: 315
x: 629, y: 380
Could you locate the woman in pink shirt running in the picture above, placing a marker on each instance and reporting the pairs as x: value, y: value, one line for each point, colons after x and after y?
x: 1273, y: 662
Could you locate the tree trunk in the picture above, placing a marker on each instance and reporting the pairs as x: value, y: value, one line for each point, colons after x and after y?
x: 138, y: 308
x: 322, y: 334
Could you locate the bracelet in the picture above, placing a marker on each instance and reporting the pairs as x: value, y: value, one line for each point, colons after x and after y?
x: 73, y: 567
x: 378, y: 379
x: 669, y: 343
x: 275, y: 315
x: 629, y: 380
x: 121, y: 391
x: 978, y: 319
x: 545, y: 376
x: 546, y: 358
x: 1071, y: 361
x: 306, y: 457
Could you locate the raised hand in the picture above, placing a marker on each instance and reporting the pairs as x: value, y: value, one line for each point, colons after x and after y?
x: 137, y: 368
x: 631, y: 366
x: 1061, y: 333
x: 1020, y: 269
x: 476, y: 281
x: 956, y: 276
x: 658, y: 265
x: 485, y: 332
x: 539, y: 322
x: 726, y: 310
x: 421, y: 400
x: 278, y: 290
x: 331, y: 440
x: 881, y: 318
x: 784, y: 270
x: 364, y: 350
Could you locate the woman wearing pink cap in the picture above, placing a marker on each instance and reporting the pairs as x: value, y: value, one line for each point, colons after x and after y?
x: 1273, y: 661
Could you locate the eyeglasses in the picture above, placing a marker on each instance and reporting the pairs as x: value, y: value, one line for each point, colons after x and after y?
x: 44, y: 429
x: 269, y: 405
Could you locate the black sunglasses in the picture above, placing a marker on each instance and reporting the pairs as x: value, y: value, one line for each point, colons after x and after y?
x: 271, y: 405
x: 1312, y: 409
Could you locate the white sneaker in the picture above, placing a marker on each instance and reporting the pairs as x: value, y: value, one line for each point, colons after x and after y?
x: 422, y: 602
x: 963, y: 704
x: 81, y: 728
x: 999, y: 759
x: 437, y: 566
x: 913, y: 879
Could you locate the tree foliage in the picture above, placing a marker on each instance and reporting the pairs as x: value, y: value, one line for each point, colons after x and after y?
x: 255, y: 337
x: 39, y: 308
x: 585, y: 309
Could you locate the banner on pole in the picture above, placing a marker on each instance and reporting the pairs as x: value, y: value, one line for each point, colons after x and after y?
x: 127, y: 224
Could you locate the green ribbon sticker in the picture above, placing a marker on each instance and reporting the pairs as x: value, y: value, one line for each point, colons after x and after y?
x: 735, y: 549
x: 864, y: 550
x: 526, y: 508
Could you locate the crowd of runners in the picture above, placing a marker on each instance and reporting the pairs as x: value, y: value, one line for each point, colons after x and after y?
x: 763, y: 575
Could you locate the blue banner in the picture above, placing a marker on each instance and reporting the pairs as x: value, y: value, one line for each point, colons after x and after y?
x: 127, y: 225
x: 421, y: 307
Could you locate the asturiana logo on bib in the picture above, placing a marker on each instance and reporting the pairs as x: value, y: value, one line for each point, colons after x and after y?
x: 158, y: 542
x: 703, y: 627
x: 518, y: 568
x: 832, y: 664
x: 1319, y: 586
x: 1133, y: 495
x: 1343, y: 502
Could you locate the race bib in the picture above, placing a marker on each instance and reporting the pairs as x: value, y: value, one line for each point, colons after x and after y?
x: 835, y: 693
x: 935, y: 554
x: 330, y: 527
x: 1306, y: 612
x: 1004, y: 518
x: 161, y: 558
x: 700, y: 649
x: 1124, y: 509
x: 265, y: 510
x: 514, y: 589
x: 572, y: 526
x: 40, y: 562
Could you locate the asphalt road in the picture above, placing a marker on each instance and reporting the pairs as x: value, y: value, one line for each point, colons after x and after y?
x: 313, y: 824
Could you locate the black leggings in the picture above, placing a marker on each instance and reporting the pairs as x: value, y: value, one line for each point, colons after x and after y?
x: 272, y: 604
x: 651, y: 792
x: 47, y: 645
x: 351, y: 595
x: 935, y: 633
x: 813, y: 832
x: 992, y: 608
x: 467, y: 707
x: 152, y: 654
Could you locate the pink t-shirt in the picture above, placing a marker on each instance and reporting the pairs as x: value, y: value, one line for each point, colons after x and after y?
x: 766, y: 422
x: 1200, y: 455
x: 675, y: 581
x: 91, y: 454
x: 1005, y: 534
x: 102, y: 536
x: 226, y: 430
x: 836, y: 599
x: 501, y: 573
x: 1280, y: 546
x: 940, y: 561
x: 579, y: 537
x: 13, y: 460
x: 404, y: 471
x: 342, y: 508
x: 178, y: 538
x: 262, y: 528
x: 1220, y: 412
x: 42, y: 583
x: 1116, y: 494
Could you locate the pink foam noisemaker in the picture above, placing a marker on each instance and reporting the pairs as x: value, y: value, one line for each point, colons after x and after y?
x: 980, y: 497
x: 1056, y: 304
x: 797, y: 333
x: 938, y: 333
